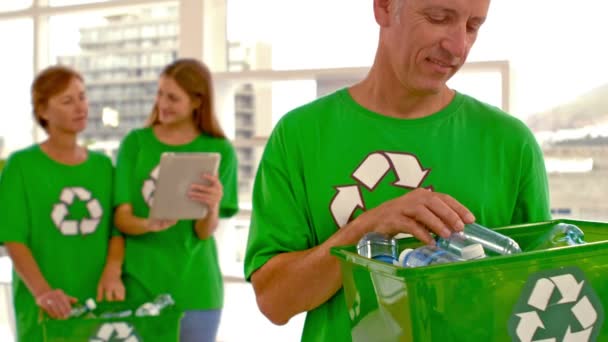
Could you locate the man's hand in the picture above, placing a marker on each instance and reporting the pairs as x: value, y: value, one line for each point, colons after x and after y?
x: 419, y: 213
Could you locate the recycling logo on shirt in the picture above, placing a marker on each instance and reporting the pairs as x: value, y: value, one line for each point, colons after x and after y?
x: 61, y: 211
x: 348, y: 198
x: 558, y: 305
x: 149, y: 186
x: 116, y: 332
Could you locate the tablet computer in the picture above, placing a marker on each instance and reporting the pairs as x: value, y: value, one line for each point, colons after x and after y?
x: 177, y: 172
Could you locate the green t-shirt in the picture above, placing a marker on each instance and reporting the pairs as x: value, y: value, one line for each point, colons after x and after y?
x: 63, y: 214
x: 173, y: 261
x: 332, y: 159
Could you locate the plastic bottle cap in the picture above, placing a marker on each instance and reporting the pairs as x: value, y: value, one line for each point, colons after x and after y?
x: 403, y: 254
x: 474, y: 251
x: 90, y: 304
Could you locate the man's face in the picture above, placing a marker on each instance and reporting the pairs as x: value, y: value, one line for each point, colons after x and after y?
x: 427, y: 41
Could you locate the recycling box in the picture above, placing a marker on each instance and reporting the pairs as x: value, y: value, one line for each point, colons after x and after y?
x: 548, y: 295
x: 162, y: 328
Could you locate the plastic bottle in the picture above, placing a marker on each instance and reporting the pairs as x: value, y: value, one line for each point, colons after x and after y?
x: 117, y: 314
x: 79, y: 310
x: 426, y: 255
x: 560, y: 235
x: 154, y: 308
x: 490, y: 240
x: 378, y: 246
x: 458, y: 244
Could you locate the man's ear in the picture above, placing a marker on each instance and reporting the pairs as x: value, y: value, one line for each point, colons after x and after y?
x: 382, y: 12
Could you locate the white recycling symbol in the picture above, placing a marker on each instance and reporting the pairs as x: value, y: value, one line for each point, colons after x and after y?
x: 149, y: 186
x: 348, y: 198
x: 115, y: 331
x: 569, y: 292
x: 61, y: 211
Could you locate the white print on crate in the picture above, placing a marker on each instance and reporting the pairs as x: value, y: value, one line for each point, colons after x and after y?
x: 62, y: 209
x: 557, y: 305
x: 409, y: 173
x: 147, y: 190
x: 116, y: 331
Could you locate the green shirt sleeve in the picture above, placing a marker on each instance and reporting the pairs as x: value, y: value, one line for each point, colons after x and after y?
x: 229, y: 204
x: 279, y: 222
x: 14, y: 207
x: 533, y: 201
x: 125, y: 169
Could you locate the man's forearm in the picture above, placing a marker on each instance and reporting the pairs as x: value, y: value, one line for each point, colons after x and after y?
x: 295, y: 282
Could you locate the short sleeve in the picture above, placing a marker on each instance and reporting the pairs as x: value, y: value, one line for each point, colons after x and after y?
x: 125, y: 169
x: 533, y: 200
x: 279, y: 222
x: 14, y: 207
x: 229, y: 204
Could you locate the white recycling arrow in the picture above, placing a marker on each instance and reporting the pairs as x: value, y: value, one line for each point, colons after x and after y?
x: 410, y: 173
x: 67, y: 196
x: 527, y: 325
x: 82, y: 194
x: 69, y: 227
x: 88, y: 226
x: 123, y: 330
x: 344, y: 203
x: 371, y: 171
x: 60, y: 211
x: 105, y: 331
x: 147, y: 190
x: 541, y: 294
x: 584, y: 312
x: 154, y: 173
x: 95, y: 210
x: 579, y: 336
x: 568, y: 287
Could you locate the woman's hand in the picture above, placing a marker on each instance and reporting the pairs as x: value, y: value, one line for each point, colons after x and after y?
x: 110, y: 287
x: 209, y: 194
x: 156, y: 225
x: 56, y: 303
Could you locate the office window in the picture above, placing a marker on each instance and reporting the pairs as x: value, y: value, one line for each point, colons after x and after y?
x: 14, y: 5
x: 16, y: 123
x: 74, y: 2
x: 304, y: 35
x: 120, y: 54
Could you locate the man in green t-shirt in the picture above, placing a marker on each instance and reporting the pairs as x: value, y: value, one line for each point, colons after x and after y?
x: 398, y: 152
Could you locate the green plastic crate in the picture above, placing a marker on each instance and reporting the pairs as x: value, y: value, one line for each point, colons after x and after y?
x: 550, y: 295
x: 162, y: 328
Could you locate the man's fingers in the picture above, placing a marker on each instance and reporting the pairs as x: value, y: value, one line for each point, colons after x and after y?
x: 418, y: 230
x: 463, y: 213
x: 426, y: 217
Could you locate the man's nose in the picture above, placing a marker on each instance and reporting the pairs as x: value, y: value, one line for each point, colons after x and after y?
x: 456, y: 41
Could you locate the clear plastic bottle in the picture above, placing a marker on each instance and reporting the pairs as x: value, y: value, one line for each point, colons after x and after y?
x: 79, y: 310
x: 378, y: 246
x: 117, y: 314
x: 154, y: 308
x: 490, y: 240
x: 426, y: 255
x: 458, y: 244
x: 560, y: 235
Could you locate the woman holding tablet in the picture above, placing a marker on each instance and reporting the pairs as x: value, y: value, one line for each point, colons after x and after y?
x: 57, y: 211
x: 168, y: 256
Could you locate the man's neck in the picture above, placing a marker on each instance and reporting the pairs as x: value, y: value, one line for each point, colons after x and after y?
x: 384, y: 95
